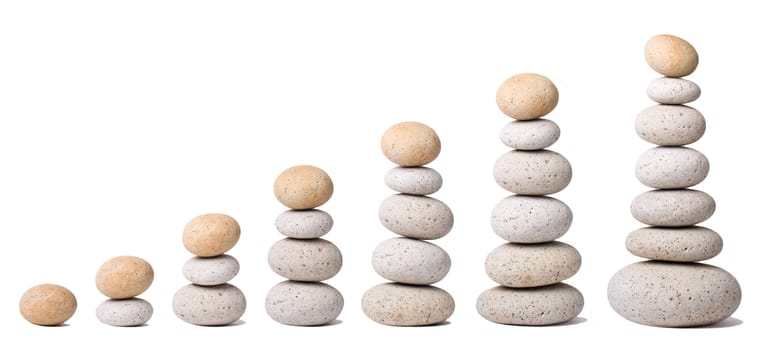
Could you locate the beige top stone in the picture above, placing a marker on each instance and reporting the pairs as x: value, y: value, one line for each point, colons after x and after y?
x: 671, y: 56
x: 527, y: 96
x: 211, y: 234
x: 410, y: 144
x: 303, y: 187
x: 47, y: 305
x: 124, y: 277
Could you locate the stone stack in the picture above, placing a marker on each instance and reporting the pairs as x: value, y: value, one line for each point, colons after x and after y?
x: 409, y: 261
x: 532, y: 265
x: 673, y: 289
x: 210, y: 300
x: 122, y: 279
x: 303, y: 257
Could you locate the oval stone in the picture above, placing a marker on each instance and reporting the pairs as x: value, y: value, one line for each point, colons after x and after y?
x: 530, y: 135
x: 671, y: 55
x: 671, y: 167
x: 539, y: 306
x: 532, y: 172
x: 673, y: 91
x: 304, y: 303
x: 410, y: 261
x: 668, y: 294
x: 307, y: 260
x: 124, y: 312
x: 667, y: 125
x: 413, y: 180
x: 47, y: 304
x: 304, y: 224
x: 527, y: 96
x: 417, y: 217
x: 672, y: 208
x: 209, y: 306
x: 686, y: 244
x: 531, y: 219
x: 211, y: 271
x: 396, y: 304
x: 532, y: 265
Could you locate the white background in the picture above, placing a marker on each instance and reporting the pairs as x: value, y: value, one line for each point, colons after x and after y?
x: 120, y: 121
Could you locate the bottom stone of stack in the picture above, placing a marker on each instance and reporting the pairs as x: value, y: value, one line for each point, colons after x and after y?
x: 304, y: 303
x: 124, y: 312
x: 396, y: 304
x: 209, y: 305
x: 538, y: 306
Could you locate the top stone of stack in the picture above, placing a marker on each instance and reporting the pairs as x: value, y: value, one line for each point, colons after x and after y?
x: 671, y: 56
x: 527, y: 96
x: 410, y: 144
x: 303, y: 187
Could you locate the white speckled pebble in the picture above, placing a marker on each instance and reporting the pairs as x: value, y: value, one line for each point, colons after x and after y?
x: 531, y: 219
x: 667, y: 125
x: 413, y: 180
x: 211, y: 271
x: 417, y: 217
x: 532, y: 265
x: 530, y: 135
x: 671, y: 167
x: 307, y: 260
x: 396, y: 304
x: 124, y: 312
x: 532, y: 172
x: 209, y: 306
x: 304, y: 224
x: 686, y: 244
x: 673, y: 91
x: 304, y: 303
x: 667, y: 294
x: 672, y: 208
x: 410, y: 261
x: 539, y: 306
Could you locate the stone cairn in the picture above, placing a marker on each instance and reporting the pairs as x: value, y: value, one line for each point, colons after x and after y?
x: 303, y: 257
x: 122, y: 279
x: 409, y: 261
x: 673, y: 289
x: 210, y: 300
x: 532, y: 265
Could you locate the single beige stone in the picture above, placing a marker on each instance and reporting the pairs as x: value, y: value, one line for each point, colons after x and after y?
x: 668, y: 125
x: 532, y: 265
x: 47, y: 305
x: 532, y: 173
x: 672, y: 208
x: 539, y: 306
x: 396, y: 304
x: 410, y: 144
x: 684, y: 244
x: 303, y: 187
x: 671, y: 56
x: 211, y: 234
x: 527, y: 96
x: 124, y: 277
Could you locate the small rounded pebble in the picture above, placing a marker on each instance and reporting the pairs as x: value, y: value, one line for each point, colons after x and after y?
x: 413, y: 180
x: 530, y: 135
x: 211, y: 271
x: 410, y: 144
x: 47, y: 305
x: 209, y: 305
x: 417, y: 217
x: 667, y: 125
x: 304, y: 224
x: 125, y: 312
x: 532, y: 265
x: 673, y: 91
x: 671, y: 56
x: 672, y: 208
x: 539, y: 306
x: 124, y: 277
x: 307, y: 260
x: 668, y: 294
x: 531, y: 219
x: 211, y: 234
x: 532, y: 172
x: 303, y: 187
x: 303, y: 303
x: 671, y: 167
x: 410, y: 261
x: 686, y: 244
x: 527, y: 96
x: 395, y: 304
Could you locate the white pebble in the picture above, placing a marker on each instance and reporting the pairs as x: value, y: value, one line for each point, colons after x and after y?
x: 211, y: 271
x: 411, y: 261
x: 417, y: 217
x: 532, y: 265
x: 532, y: 172
x: 124, y: 312
x: 307, y: 260
x: 396, y: 304
x: 530, y: 135
x: 209, y: 306
x: 540, y: 306
x: 304, y: 303
x: 673, y: 91
x: 671, y: 167
x: 304, y: 224
x: 668, y: 125
x: 414, y: 180
x: 672, y: 208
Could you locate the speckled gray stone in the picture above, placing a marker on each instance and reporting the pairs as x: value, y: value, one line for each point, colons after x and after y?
x: 531, y: 219
x: 685, y: 244
x: 672, y: 208
x: 530, y: 135
x: 673, y: 91
x: 419, y: 217
x: 410, y: 261
x: 668, y: 294
x: 668, y: 125
x: 304, y: 303
x: 532, y: 265
x: 304, y: 224
x: 539, y: 306
x: 209, y: 305
x: 413, y: 180
x: 307, y: 260
x: 124, y: 312
x: 532, y: 172
x: 211, y: 271
x: 671, y: 167
x: 396, y: 304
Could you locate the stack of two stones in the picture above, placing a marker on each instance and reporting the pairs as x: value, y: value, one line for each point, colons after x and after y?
x: 122, y: 279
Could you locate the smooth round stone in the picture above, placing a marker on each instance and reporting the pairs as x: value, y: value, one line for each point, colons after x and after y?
x: 530, y: 135
x: 211, y: 271
x: 532, y: 265
x: 539, y: 306
x: 304, y: 224
x: 124, y: 277
x: 531, y: 219
x: 417, y: 217
x: 527, y: 96
x: 667, y: 125
x: 686, y: 244
x: 211, y: 234
x: 668, y: 294
x: 47, y: 305
x: 209, y: 305
x: 673, y: 91
x: 532, y: 172
x: 395, y: 304
x: 410, y: 144
x: 671, y: 167
x: 304, y: 303
x: 672, y: 208
x: 411, y: 261
x: 413, y: 180
x: 671, y: 56
x: 303, y: 187
x: 307, y: 260
x: 125, y: 312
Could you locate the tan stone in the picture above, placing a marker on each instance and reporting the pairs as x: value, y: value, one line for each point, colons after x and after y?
x: 124, y: 277
x: 410, y: 144
x: 527, y: 96
x: 47, y: 305
x: 671, y: 56
x: 303, y: 187
x: 211, y: 234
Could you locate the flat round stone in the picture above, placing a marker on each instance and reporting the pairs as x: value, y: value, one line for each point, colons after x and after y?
x: 414, y: 180
x: 539, y: 306
x: 685, y: 244
x: 411, y: 261
x: 396, y: 304
x: 209, y: 305
x: 306, y: 260
x: 530, y: 135
x: 671, y: 167
x: 672, y: 208
x: 532, y: 265
x: 304, y: 303
x: 417, y: 217
x: 673, y: 91
x: 532, y: 172
x: 124, y: 312
x: 211, y: 271
x: 531, y: 219
x: 667, y: 125
x: 304, y: 224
